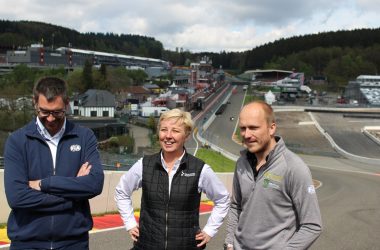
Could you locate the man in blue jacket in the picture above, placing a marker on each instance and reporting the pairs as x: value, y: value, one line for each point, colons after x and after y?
x: 52, y: 169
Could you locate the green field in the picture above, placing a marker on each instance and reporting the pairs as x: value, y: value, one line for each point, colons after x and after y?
x: 216, y: 160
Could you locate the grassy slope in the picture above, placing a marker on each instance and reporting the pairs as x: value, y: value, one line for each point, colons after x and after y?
x: 216, y: 160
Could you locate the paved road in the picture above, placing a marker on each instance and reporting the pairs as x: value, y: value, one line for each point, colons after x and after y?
x: 346, y: 132
x: 119, y: 239
x: 220, y: 132
x: 301, y: 136
x: 350, y: 207
x: 200, y: 117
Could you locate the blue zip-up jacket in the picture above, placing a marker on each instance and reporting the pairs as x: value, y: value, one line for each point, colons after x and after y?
x: 59, y: 214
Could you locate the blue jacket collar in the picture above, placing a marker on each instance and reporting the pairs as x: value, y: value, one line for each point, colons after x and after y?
x: 31, y: 129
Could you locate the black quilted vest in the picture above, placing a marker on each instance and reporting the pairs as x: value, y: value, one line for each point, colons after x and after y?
x: 169, y: 222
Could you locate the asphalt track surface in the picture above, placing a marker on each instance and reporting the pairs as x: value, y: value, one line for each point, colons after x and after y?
x: 346, y: 130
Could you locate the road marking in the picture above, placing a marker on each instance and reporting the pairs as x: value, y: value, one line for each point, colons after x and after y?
x: 345, y: 170
x: 317, y: 184
x: 364, y: 121
x: 306, y: 123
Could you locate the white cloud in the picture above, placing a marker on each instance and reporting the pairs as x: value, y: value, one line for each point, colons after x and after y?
x: 199, y: 25
x: 368, y: 5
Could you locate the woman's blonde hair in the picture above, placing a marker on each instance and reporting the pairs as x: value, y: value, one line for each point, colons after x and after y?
x: 180, y: 116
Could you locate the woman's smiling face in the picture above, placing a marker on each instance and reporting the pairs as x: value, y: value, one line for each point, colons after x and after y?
x: 172, y: 135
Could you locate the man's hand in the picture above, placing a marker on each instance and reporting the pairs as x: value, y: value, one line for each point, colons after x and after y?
x: 35, y: 184
x: 228, y: 246
x: 84, y: 170
x: 203, y: 238
x: 134, y: 233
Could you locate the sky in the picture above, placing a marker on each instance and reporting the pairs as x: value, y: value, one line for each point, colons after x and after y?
x: 200, y: 25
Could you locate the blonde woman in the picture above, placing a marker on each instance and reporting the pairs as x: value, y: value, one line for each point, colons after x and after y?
x: 172, y: 181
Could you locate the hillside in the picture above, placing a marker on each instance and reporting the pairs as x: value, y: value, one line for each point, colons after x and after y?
x: 14, y: 34
x: 359, y: 38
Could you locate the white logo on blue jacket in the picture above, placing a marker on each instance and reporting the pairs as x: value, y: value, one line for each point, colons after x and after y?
x: 75, y: 148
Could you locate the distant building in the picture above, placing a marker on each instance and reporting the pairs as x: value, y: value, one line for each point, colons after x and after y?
x: 156, y: 72
x: 267, y: 76
x: 39, y: 56
x: 180, y: 98
x: 318, y: 80
x: 95, y: 109
x: 153, y: 88
x: 181, y: 80
x: 94, y: 103
x: 364, y: 90
x: 102, y: 127
x: 180, y: 70
x: 147, y: 111
x: 139, y: 93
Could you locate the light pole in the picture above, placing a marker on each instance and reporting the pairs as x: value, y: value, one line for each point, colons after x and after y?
x: 52, y: 43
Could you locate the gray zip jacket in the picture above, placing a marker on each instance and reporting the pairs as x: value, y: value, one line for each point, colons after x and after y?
x: 278, y: 210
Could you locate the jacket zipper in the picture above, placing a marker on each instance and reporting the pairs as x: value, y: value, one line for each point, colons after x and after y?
x: 52, y: 240
x: 54, y: 172
x: 167, y: 208
x: 52, y: 217
x: 166, y: 226
x: 166, y: 218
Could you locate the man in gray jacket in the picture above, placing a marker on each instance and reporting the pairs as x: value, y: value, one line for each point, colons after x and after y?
x: 273, y: 204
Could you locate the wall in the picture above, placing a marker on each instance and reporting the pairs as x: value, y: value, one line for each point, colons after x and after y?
x: 105, y: 201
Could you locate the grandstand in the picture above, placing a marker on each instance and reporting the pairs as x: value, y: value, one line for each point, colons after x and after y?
x: 365, y: 89
x: 372, y: 80
x: 38, y: 56
x: 372, y: 95
x: 114, y: 59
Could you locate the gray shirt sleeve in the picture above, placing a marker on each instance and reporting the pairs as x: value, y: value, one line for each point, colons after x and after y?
x: 305, y: 201
x: 235, y: 210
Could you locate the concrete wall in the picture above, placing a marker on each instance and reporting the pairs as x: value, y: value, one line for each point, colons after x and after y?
x: 366, y: 130
x: 105, y: 201
x: 4, y: 211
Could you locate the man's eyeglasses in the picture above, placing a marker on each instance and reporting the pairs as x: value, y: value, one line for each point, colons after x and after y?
x: 55, y: 113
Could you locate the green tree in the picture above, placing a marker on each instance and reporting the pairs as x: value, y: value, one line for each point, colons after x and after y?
x: 340, y: 70
x: 99, y: 81
x: 75, y: 83
x: 118, y: 78
x: 152, y: 124
x: 103, y: 71
x: 87, y: 76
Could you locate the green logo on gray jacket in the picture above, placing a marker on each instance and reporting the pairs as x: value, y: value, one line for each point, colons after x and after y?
x: 266, y: 182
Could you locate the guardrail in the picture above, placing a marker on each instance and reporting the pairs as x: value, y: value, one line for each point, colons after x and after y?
x: 365, y: 131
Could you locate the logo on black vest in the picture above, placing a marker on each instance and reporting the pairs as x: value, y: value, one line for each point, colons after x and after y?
x: 187, y: 174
